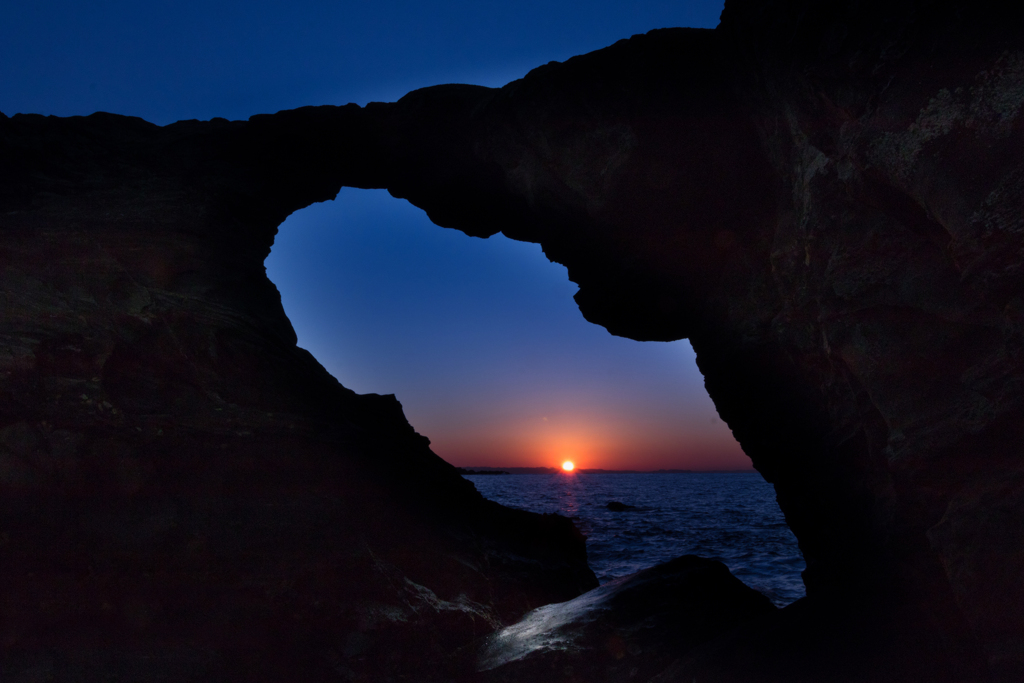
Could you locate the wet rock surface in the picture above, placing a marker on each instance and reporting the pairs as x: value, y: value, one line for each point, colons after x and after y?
x: 630, y: 629
x: 825, y: 198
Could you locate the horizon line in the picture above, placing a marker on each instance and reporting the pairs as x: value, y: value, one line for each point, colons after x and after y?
x: 592, y: 470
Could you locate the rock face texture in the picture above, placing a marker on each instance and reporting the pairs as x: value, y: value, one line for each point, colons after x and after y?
x: 629, y: 629
x: 185, y: 495
x: 825, y: 198
x: 828, y: 202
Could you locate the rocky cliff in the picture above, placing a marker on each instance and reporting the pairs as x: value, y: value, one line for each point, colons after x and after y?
x: 826, y: 199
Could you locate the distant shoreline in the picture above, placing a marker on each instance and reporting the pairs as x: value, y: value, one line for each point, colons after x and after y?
x: 554, y: 470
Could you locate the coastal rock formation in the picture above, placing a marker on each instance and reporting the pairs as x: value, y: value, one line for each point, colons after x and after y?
x: 185, y: 495
x: 630, y: 629
x: 827, y: 199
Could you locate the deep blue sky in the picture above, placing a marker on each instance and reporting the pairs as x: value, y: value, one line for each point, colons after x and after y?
x: 479, y: 339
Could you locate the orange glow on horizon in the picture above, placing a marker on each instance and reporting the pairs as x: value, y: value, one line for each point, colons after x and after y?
x: 568, y: 466
x: 595, y: 441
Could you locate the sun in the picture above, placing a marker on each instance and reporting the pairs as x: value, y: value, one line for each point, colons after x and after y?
x: 568, y: 466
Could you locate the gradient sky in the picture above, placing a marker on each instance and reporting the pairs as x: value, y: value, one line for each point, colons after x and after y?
x: 479, y: 339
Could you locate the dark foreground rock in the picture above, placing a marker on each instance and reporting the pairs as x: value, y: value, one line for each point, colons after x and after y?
x: 185, y: 495
x: 833, y: 641
x: 630, y: 629
x: 691, y: 619
x: 827, y: 199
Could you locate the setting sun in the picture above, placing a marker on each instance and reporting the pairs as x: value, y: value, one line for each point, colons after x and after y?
x: 568, y: 466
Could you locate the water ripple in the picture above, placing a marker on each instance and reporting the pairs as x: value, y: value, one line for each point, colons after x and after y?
x: 732, y: 518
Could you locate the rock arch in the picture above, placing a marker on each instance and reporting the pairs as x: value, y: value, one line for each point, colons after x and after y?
x: 827, y: 205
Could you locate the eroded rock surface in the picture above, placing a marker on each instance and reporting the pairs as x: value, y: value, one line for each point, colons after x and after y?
x: 185, y: 495
x: 825, y: 198
x: 629, y: 629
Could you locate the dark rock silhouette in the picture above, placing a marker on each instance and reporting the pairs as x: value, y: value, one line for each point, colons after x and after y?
x: 185, y: 495
x: 629, y: 629
x: 616, y: 506
x: 825, y: 198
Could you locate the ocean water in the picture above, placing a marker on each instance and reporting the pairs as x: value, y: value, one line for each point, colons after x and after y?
x: 732, y: 518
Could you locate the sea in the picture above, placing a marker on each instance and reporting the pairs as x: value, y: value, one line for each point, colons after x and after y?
x: 730, y: 517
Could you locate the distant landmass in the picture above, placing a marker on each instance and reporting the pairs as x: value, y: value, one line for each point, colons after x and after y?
x: 553, y: 470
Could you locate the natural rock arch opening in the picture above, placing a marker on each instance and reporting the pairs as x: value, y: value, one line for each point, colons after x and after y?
x: 795, y: 234
x: 478, y: 335
x: 827, y: 205
x: 484, y: 347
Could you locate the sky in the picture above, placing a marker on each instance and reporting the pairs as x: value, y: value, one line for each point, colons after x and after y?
x: 479, y: 339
